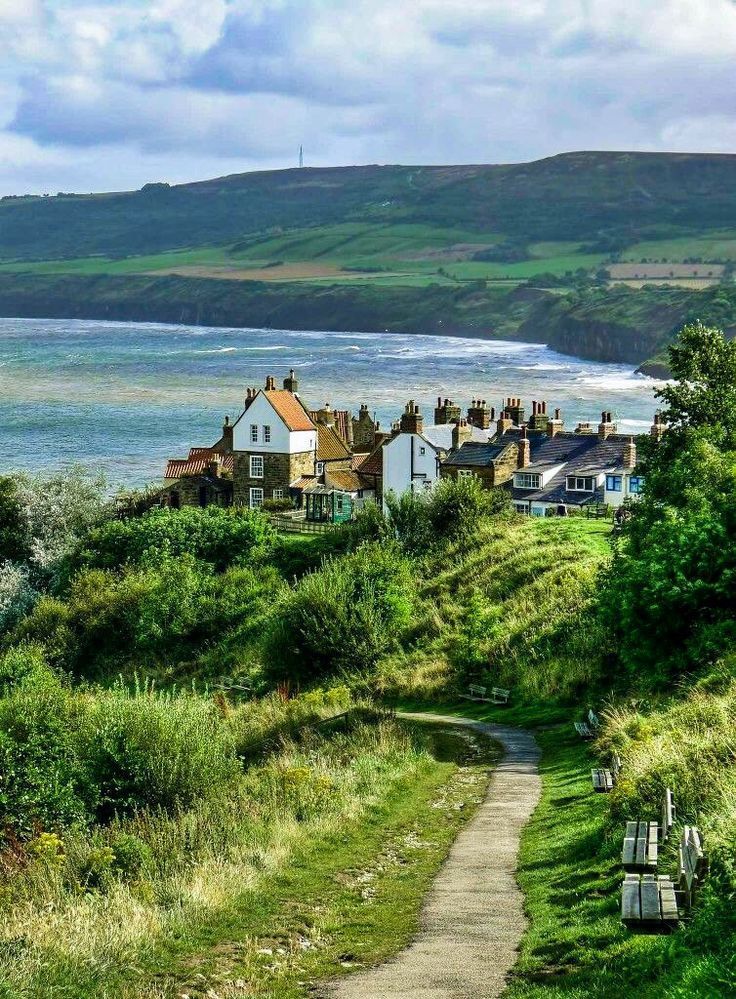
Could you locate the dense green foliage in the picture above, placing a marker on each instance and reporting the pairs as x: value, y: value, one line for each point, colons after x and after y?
x: 219, y: 536
x: 671, y: 593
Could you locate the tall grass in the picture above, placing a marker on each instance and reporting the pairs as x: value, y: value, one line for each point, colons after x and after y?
x: 66, y: 935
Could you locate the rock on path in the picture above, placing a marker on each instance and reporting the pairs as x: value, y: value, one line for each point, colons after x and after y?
x: 472, y: 919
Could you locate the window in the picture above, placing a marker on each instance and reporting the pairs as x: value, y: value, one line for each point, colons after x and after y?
x: 254, y: 433
x: 636, y: 484
x: 521, y: 508
x: 580, y: 483
x: 613, y: 483
x: 278, y: 494
x: 464, y: 473
x: 527, y: 480
x: 266, y: 434
x: 319, y: 467
x: 422, y: 450
x: 256, y: 466
x: 256, y: 497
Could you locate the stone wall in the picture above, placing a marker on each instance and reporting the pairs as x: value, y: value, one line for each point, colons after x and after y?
x: 279, y: 470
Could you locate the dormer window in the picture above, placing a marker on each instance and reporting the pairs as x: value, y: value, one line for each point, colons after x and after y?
x: 254, y: 433
x: 528, y: 480
x: 580, y: 483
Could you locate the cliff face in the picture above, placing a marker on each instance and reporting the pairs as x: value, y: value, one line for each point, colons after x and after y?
x: 603, y: 324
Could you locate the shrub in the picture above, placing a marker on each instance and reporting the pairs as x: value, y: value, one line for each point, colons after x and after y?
x: 41, y: 784
x: 456, y: 506
x: 152, y: 750
x: 131, y: 855
x: 408, y: 520
x: 219, y: 536
x: 343, y: 617
x: 17, y: 595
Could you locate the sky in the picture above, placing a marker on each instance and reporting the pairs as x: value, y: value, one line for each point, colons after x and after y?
x: 99, y: 96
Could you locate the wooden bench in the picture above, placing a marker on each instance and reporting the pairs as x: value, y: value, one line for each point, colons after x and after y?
x: 605, y: 780
x: 499, y: 695
x: 476, y: 693
x: 588, y: 729
x: 643, y: 838
x: 652, y: 904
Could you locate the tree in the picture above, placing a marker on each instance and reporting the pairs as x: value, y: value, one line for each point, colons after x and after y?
x: 670, y: 592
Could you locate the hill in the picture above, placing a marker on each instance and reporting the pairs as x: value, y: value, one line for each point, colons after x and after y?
x: 384, y: 235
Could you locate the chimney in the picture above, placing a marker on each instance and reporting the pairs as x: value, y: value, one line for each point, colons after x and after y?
x: 525, y: 452
x: 658, y: 428
x: 461, y: 432
x: 504, y: 423
x: 214, y: 467
x: 556, y: 425
x: 227, y: 435
x: 446, y: 412
x: 584, y: 428
x: 630, y: 453
x: 539, y: 419
x: 291, y: 384
x: 325, y: 416
x: 515, y: 410
x: 606, y: 427
x: 479, y: 414
x: 270, y: 383
x: 411, y: 421
x: 250, y: 394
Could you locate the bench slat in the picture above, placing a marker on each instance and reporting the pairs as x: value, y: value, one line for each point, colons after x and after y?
x: 630, y: 902
x: 649, y: 892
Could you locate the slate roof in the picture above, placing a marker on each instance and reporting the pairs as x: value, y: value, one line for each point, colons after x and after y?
x: 476, y: 454
x: 578, y: 454
x: 330, y: 445
x: 439, y: 436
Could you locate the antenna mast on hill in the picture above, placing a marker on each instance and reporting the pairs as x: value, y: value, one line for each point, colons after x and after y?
x: 301, y: 156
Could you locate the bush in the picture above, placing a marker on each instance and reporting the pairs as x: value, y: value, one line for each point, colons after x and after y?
x: 41, y: 783
x: 17, y: 596
x: 343, y: 617
x: 154, y: 750
x: 219, y: 536
x: 456, y: 506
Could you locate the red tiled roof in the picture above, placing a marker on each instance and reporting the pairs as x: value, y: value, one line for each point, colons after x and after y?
x: 373, y: 464
x: 343, y: 419
x: 330, y: 445
x: 197, y: 463
x: 289, y: 408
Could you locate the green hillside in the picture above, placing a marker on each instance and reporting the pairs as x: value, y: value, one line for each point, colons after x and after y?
x: 363, y: 246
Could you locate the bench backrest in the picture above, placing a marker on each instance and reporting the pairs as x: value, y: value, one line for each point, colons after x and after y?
x: 669, y: 813
x: 593, y: 719
x: 500, y: 692
x: 475, y: 689
x: 692, y: 862
x: 615, y: 764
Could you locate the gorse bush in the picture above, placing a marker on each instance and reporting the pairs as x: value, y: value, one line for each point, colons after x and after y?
x: 219, y: 536
x: 342, y: 618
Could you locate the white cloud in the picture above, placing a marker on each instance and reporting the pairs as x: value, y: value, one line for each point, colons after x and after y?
x: 192, y: 82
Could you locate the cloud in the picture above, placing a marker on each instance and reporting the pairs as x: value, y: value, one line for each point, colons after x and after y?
x: 182, y: 83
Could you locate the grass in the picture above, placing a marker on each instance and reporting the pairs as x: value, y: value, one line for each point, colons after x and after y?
x: 282, y: 900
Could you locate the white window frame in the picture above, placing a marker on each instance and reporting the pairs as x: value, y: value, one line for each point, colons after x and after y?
x: 319, y: 467
x: 254, y: 433
x: 266, y: 433
x: 575, y: 488
x: 256, y: 497
x: 277, y: 494
x: 256, y: 461
x: 464, y: 473
x: 522, y: 480
x: 521, y: 507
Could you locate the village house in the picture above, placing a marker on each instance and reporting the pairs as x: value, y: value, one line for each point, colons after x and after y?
x: 277, y: 450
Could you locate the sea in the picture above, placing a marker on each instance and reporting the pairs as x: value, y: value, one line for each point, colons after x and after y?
x: 121, y: 398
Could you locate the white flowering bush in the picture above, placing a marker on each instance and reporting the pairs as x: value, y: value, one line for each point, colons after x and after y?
x: 17, y: 595
x: 58, y: 510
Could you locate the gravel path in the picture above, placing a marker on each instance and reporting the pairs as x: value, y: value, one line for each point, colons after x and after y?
x: 472, y: 919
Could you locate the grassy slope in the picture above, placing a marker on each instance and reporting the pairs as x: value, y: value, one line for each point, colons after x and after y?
x: 304, y: 898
